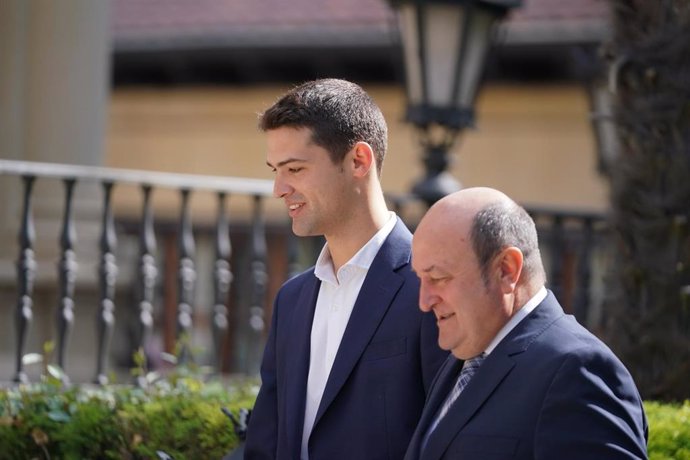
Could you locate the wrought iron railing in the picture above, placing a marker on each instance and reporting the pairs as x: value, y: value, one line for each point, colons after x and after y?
x: 571, y: 242
x: 147, y: 271
x: 575, y: 247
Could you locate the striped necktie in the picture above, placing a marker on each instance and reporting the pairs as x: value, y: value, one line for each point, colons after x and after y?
x: 469, y: 368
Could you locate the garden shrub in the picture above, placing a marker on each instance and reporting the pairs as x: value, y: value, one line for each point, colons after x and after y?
x: 669, y: 431
x: 180, y: 416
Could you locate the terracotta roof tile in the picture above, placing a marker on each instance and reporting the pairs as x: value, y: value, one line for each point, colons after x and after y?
x: 268, y: 21
x: 561, y: 10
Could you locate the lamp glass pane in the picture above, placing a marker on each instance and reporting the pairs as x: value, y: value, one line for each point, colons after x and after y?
x: 478, y: 41
x: 407, y: 20
x: 442, y: 28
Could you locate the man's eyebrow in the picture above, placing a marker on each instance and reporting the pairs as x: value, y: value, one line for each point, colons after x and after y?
x: 286, y: 161
x: 424, y: 270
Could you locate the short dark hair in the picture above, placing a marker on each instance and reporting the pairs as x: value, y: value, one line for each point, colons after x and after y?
x: 501, y: 225
x: 339, y: 114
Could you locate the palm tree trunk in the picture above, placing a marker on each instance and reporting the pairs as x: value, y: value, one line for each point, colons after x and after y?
x: 648, y: 304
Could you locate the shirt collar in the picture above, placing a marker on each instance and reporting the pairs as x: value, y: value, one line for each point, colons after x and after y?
x: 363, y: 259
x: 517, y: 317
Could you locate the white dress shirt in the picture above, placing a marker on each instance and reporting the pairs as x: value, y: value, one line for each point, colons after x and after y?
x: 517, y: 317
x: 336, y: 299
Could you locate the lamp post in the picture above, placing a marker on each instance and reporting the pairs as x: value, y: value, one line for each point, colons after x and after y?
x: 445, y: 44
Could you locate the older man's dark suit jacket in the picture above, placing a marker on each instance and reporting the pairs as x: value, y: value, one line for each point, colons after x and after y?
x: 549, y: 390
x: 375, y: 392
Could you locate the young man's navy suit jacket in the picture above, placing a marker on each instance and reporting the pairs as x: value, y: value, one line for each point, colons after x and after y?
x: 375, y: 392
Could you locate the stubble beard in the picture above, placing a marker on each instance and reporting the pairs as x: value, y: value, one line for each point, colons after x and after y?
x: 305, y: 226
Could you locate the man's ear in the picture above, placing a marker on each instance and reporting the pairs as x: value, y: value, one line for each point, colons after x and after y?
x: 362, y: 159
x: 509, y: 263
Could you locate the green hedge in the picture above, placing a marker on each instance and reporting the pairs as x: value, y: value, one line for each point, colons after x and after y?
x: 182, y: 417
x: 669, y: 431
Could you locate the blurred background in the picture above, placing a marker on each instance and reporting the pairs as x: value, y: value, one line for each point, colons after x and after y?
x: 175, y: 86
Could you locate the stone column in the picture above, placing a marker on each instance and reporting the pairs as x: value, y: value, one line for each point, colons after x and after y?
x: 13, y: 17
x: 54, y: 92
x: 55, y: 88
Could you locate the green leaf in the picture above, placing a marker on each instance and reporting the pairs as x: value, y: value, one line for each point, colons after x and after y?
x: 152, y: 377
x: 32, y: 358
x: 48, y: 347
x: 59, y: 416
x: 169, y: 358
x: 55, y: 371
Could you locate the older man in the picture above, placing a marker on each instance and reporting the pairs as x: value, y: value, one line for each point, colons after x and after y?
x: 524, y: 380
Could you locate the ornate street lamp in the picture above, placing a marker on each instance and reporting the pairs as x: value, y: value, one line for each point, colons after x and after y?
x: 445, y: 44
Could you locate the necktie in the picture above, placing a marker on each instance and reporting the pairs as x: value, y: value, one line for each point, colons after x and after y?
x: 469, y: 368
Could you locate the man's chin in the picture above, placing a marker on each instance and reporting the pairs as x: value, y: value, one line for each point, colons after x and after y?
x: 448, y: 345
x: 300, y: 230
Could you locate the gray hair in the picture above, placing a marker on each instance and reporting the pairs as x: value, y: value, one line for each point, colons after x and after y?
x: 501, y: 225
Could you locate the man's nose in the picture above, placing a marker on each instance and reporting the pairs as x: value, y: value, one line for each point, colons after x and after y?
x: 427, y: 299
x: 280, y: 187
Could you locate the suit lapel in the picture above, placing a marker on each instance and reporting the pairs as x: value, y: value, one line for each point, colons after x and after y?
x: 374, y: 299
x: 297, y: 361
x: 493, y: 371
x: 443, y: 382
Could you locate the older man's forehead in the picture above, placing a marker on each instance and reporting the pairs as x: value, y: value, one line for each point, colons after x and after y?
x: 437, y: 248
x: 442, y: 230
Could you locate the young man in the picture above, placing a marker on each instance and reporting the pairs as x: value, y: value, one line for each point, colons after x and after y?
x: 534, y: 383
x: 349, y: 355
